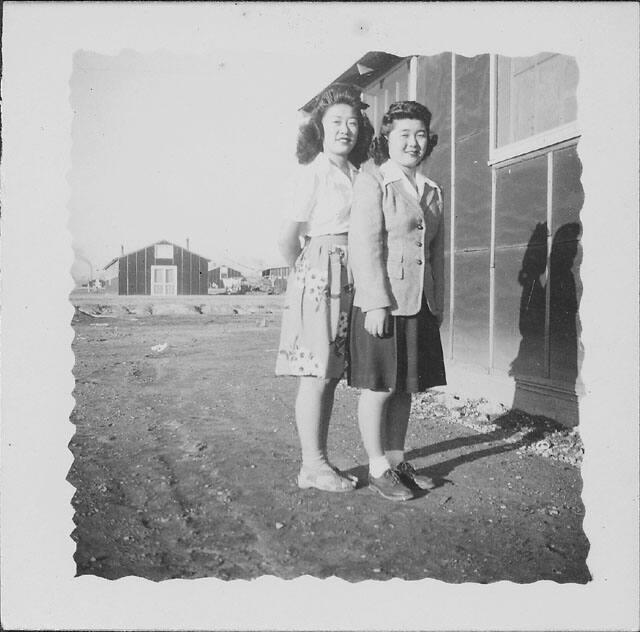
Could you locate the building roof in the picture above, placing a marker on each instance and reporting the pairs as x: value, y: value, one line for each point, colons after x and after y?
x: 111, y: 263
x: 224, y: 265
x: 162, y: 241
x: 282, y: 265
x: 362, y: 72
x: 234, y: 265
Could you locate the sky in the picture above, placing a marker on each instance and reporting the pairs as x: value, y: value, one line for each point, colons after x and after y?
x: 183, y: 146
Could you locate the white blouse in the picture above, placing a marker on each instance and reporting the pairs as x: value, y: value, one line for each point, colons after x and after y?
x: 321, y: 196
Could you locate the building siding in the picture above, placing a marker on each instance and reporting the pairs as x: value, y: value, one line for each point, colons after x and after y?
x: 122, y: 276
x: 434, y: 90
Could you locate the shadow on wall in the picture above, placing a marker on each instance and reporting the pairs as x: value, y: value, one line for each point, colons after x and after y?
x: 557, y: 363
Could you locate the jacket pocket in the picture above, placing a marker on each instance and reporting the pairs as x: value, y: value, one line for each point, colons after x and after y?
x: 395, y: 267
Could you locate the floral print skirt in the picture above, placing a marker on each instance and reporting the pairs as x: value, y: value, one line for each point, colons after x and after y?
x: 317, y: 309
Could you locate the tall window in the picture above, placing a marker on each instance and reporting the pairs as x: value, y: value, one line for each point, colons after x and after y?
x: 534, y: 103
x: 537, y: 199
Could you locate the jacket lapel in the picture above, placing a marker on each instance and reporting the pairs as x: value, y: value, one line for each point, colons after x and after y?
x: 410, y: 201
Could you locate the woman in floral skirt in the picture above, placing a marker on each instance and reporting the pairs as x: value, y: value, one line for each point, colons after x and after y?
x: 313, y: 343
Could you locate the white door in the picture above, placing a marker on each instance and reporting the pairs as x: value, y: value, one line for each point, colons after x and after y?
x: 164, y: 280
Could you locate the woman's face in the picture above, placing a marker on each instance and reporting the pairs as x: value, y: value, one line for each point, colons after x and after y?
x: 408, y: 140
x: 340, y: 126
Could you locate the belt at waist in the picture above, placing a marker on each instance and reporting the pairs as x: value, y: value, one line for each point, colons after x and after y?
x: 339, y: 238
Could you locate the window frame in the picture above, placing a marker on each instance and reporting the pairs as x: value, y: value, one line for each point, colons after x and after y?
x: 559, y: 134
x: 550, y: 152
x: 158, y: 248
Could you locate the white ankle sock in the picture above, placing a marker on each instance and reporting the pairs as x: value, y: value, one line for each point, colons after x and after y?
x: 378, y: 466
x: 395, y: 457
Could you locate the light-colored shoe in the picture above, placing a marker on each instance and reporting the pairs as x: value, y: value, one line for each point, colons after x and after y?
x: 327, y: 479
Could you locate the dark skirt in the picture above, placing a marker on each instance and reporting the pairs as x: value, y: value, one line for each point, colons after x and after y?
x: 408, y: 359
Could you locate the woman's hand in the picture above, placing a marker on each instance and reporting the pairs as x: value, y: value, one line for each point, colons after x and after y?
x: 375, y: 321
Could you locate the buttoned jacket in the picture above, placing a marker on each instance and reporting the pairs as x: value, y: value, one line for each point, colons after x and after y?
x: 396, y: 242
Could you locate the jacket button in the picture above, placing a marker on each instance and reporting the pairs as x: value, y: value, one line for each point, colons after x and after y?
x: 420, y: 226
x: 419, y: 244
x: 419, y: 262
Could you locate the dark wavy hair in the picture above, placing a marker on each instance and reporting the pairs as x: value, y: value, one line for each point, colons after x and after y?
x: 397, y: 111
x: 311, y: 133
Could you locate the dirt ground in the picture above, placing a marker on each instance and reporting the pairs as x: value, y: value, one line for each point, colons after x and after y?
x: 186, y: 458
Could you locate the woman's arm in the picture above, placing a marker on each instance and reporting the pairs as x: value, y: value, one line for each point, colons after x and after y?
x: 298, y: 209
x: 367, y: 247
x: 289, y: 240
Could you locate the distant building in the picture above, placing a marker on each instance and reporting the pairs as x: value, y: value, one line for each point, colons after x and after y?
x: 161, y: 269
x: 277, y: 277
x: 219, y: 273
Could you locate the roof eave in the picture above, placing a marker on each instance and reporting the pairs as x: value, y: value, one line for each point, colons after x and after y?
x: 155, y: 243
x: 362, y: 72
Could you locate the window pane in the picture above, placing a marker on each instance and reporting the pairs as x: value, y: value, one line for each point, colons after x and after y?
x: 566, y: 254
x: 520, y: 308
x: 568, y: 194
x: 520, y: 268
x: 535, y: 94
x: 164, y: 251
x: 158, y: 277
x: 521, y: 201
x: 171, y: 275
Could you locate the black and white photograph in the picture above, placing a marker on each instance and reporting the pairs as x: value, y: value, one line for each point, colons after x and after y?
x: 323, y: 308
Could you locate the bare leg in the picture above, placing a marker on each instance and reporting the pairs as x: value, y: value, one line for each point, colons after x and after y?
x: 313, y: 411
x: 325, y: 417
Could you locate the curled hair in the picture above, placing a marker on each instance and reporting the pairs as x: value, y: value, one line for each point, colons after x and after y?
x: 397, y: 111
x: 311, y: 132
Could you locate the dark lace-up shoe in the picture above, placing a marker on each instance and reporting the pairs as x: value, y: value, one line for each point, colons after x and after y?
x: 408, y: 474
x: 390, y: 486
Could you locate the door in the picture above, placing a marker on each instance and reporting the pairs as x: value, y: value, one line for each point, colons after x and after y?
x: 164, y: 280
